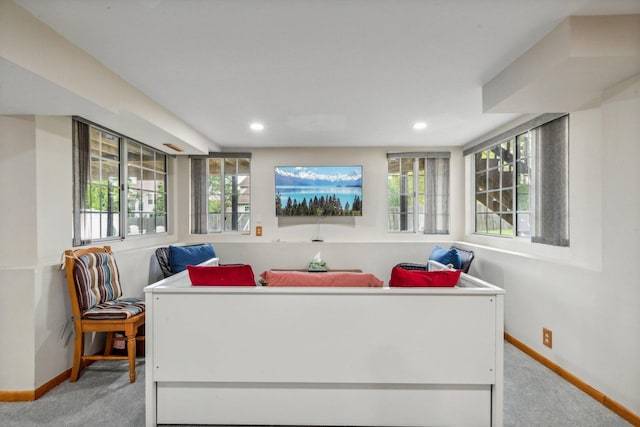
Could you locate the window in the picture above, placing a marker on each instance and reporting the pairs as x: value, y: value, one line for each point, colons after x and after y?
x: 97, y: 213
x: 521, y: 182
x: 146, y: 190
x: 99, y: 156
x: 495, y: 189
x: 221, y: 193
x: 418, y: 192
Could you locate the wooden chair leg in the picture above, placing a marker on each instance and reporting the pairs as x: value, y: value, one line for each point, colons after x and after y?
x: 108, y: 345
x: 131, y: 352
x: 78, y: 349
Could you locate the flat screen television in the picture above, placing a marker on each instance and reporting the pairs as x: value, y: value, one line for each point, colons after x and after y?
x: 318, y: 190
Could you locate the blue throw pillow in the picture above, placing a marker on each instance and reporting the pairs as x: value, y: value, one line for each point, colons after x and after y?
x: 181, y: 256
x: 446, y: 256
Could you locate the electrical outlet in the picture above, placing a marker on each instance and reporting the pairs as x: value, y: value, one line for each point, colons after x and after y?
x: 547, y: 337
x: 258, y: 230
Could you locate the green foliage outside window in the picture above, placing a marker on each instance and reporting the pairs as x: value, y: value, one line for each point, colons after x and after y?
x: 215, y: 192
x: 103, y: 196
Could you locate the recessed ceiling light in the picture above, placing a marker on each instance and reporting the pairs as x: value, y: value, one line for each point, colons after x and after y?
x: 256, y: 127
x: 419, y: 126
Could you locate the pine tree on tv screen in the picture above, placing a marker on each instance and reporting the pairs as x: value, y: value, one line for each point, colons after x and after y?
x: 318, y: 190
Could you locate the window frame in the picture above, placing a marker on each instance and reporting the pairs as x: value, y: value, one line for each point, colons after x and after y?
x: 83, y: 233
x: 421, y: 193
x: 512, y: 147
x: 413, y: 181
x: 229, y: 217
x: 527, y: 160
x: 146, y: 172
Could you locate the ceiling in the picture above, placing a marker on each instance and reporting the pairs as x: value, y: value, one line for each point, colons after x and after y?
x: 314, y: 72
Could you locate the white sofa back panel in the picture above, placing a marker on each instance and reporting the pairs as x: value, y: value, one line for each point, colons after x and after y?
x: 372, y: 337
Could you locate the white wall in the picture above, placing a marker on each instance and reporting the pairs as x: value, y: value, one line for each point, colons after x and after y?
x: 36, y: 228
x: 17, y: 329
x: 371, y: 226
x: 52, y: 203
x: 619, y: 293
x: 587, y: 294
x: 18, y: 184
x: 17, y: 252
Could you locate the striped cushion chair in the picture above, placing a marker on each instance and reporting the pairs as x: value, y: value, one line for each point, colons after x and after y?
x: 97, y: 306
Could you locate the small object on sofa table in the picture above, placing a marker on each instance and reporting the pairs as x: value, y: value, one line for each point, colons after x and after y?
x: 317, y: 264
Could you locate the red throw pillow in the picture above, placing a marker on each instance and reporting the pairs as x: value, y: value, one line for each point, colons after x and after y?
x: 420, y: 278
x: 221, y: 275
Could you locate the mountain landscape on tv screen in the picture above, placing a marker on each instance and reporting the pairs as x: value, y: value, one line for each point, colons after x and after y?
x: 316, y: 177
x: 319, y: 191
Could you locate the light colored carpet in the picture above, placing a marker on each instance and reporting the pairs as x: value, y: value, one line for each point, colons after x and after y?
x: 102, y: 397
x: 534, y: 396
